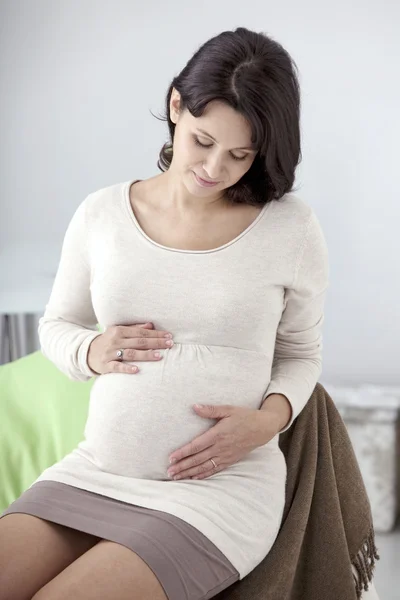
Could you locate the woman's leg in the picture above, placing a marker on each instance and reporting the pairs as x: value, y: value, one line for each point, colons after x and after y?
x: 109, y: 570
x: 33, y: 551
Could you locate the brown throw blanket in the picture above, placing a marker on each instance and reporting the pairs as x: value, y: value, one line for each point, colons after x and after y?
x: 327, y: 524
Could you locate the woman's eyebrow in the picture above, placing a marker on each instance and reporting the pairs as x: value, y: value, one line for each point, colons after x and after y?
x: 210, y: 136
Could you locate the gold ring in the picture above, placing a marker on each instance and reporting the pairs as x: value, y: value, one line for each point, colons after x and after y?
x: 215, y: 466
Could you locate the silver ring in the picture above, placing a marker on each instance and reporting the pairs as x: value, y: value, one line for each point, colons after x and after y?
x: 120, y: 354
x: 215, y: 466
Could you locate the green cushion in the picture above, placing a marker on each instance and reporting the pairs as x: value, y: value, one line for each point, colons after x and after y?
x: 42, y: 418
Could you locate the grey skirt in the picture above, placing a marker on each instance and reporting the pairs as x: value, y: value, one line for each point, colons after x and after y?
x: 187, y: 564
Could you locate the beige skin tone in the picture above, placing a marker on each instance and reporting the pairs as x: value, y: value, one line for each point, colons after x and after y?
x: 43, y: 560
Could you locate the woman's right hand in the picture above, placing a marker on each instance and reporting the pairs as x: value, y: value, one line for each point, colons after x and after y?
x: 138, y: 342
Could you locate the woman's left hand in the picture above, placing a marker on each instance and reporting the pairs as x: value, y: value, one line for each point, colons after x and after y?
x: 239, y: 431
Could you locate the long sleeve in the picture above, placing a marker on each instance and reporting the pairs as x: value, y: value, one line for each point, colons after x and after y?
x: 297, y: 362
x: 69, y: 323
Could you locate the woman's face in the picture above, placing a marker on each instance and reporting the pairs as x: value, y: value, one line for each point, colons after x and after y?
x: 215, y: 147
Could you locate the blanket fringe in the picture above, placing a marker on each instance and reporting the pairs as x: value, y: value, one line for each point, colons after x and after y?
x: 364, y: 563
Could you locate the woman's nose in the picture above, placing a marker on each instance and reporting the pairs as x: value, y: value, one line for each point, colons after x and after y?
x: 213, y: 166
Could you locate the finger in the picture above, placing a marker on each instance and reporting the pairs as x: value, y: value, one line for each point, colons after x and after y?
x: 133, y: 347
x: 204, y: 441
x: 133, y: 355
x: 130, y: 331
x: 116, y: 366
x: 142, y: 343
x: 199, y: 472
x: 194, y: 464
x: 137, y: 348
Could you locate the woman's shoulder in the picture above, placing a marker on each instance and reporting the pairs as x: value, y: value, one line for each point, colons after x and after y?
x: 292, y: 214
x: 106, y: 194
x: 292, y: 207
x: 106, y: 202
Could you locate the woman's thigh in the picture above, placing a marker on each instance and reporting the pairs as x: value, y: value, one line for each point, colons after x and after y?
x: 109, y: 570
x: 33, y: 551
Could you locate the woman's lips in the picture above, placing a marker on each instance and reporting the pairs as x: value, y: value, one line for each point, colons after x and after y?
x: 203, y: 182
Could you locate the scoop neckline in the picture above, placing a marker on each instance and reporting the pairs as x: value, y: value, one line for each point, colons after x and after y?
x: 183, y: 251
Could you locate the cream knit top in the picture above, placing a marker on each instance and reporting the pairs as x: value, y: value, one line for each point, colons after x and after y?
x: 246, y: 319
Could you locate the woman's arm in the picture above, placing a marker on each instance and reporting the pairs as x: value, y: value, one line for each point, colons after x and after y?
x: 297, y: 362
x: 68, y: 325
x: 280, y: 407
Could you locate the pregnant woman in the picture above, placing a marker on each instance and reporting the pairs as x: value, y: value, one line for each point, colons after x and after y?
x: 218, y: 252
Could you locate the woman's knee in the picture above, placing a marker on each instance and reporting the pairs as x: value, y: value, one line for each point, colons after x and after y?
x: 33, y: 551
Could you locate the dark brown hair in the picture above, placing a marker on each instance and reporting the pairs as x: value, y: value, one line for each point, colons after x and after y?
x: 257, y: 77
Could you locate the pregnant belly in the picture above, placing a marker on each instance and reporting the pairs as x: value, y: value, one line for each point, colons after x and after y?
x: 136, y: 421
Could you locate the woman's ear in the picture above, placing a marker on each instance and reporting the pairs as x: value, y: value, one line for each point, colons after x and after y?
x: 174, y: 105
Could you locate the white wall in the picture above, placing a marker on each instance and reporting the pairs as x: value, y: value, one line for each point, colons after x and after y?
x: 79, y: 79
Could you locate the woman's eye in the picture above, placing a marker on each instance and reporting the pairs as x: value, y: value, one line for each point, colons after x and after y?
x: 238, y: 157
x: 198, y: 143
